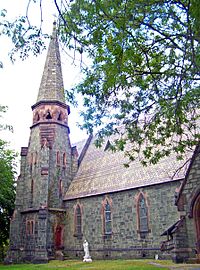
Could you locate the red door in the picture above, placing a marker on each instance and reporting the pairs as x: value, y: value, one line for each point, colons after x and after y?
x: 58, y: 237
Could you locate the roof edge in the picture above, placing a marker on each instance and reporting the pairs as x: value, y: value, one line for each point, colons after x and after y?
x: 119, y: 190
x: 85, y: 148
x: 195, y: 154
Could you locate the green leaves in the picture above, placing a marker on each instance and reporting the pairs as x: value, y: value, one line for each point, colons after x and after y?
x: 144, y: 75
x: 7, y: 190
x: 7, y: 184
x: 26, y: 38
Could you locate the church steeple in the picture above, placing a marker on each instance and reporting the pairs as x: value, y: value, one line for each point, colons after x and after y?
x: 51, y: 87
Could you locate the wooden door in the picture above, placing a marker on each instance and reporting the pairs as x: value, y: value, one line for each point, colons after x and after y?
x: 58, y: 237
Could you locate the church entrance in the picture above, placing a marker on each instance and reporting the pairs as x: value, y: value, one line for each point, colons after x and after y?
x: 58, y: 237
x: 197, y: 223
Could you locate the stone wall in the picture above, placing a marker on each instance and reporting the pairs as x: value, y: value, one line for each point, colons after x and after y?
x: 187, y: 237
x: 125, y: 240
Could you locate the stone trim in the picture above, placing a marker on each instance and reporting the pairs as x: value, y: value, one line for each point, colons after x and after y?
x: 50, y: 122
x: 53, y: 102
x: 56, y: 210
x: 30, y: 210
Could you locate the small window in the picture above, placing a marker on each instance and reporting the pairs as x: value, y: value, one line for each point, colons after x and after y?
x: 60, y: 116
x: 30, y: 227
x: 48, y: 116
x: 78, y: 221
x: 107, y: 218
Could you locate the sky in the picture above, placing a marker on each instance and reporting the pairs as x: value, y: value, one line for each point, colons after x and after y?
x: 19, y: 82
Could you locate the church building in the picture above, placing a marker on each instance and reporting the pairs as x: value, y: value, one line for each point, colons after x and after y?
x: 67, y: 194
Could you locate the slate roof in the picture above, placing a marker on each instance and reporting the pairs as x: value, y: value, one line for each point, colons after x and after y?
x: 103, y: 172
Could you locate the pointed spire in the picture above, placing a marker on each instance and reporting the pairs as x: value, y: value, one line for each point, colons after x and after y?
x: 51, y: 87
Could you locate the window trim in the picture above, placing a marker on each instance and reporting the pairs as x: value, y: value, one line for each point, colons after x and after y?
x: 78, y: 232
x: 107, y: 234
x: 142, y: 233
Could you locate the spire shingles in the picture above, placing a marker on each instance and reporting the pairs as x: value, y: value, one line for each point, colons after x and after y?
x: 51, y: 87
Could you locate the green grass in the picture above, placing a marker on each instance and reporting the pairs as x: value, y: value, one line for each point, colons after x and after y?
x: 101, y: 265
x: 95, y: 265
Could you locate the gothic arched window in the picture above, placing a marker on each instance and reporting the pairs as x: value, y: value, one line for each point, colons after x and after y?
x: 142, y: 216
x: 107, y: 218
x: 78, y: 221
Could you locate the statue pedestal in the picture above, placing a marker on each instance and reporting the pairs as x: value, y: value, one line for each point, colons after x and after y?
x: 87, y: 259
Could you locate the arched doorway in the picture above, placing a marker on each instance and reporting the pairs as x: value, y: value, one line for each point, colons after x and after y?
x: 197, y: 222
x: 58, y: 237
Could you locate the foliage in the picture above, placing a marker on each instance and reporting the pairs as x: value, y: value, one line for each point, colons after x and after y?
x: 26, y: 38
x: 144, y: 73
x: 7, y: 190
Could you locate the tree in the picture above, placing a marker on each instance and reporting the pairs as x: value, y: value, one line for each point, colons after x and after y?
x: 144, y: 74
x: 7, y: 190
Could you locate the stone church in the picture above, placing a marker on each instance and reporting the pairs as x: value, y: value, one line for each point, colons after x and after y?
x: 66, y: 194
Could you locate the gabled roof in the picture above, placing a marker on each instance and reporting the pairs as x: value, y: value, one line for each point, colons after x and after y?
x: 193, y: 157
x: 102, y: 171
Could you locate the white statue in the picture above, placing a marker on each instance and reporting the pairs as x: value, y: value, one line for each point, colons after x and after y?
x: 86, y: 257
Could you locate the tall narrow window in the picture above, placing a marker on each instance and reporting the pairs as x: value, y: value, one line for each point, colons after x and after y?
x: 32, y: 189
x: 58, y: 158
x: 28, y: 227
x: 107, y: 218
x: 142, y: 216
x: 78, y: 221
x: 64, y: 159
x: 30, y: 224
x: 60, y: 188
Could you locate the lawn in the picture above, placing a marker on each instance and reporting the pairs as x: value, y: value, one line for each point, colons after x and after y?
x: 99, y: 265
